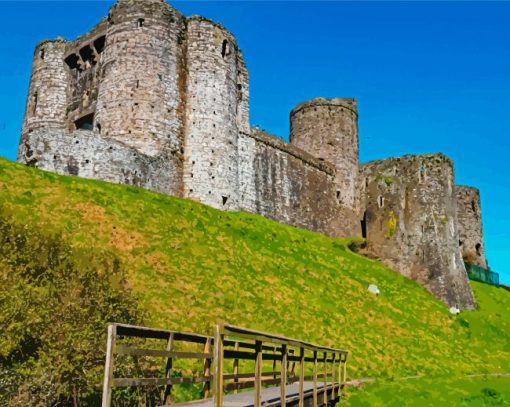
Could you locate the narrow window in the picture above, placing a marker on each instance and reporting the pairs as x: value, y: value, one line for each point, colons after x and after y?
x: 364, y: 226
x: 224, y: 48
x: 41, y: 53
x: 224, y: 199
x: 140, y: 22
x: 98, y: 127
x: 461, y: 243
x: 478, y: 248
x: 34, y: 102
x: 381, y: 201
x: 137, y: 83
x: 473, y: 206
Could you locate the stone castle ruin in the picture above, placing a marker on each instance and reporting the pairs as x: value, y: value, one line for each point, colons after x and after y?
x: 152, y: 98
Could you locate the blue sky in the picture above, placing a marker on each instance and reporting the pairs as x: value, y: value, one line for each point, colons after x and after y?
x: 428, y: 77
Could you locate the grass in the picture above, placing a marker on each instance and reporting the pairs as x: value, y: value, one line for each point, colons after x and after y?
x: 442, y: 392
x: 192, y: 265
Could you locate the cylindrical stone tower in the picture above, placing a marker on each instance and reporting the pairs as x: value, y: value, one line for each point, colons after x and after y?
x: 328, y: 129
x: 140, y: 95
x: 47, y: 95
x: 469, y: 217
x: 214, y: 87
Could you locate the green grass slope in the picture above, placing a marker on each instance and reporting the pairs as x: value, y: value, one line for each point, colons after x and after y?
x: 192, y: 265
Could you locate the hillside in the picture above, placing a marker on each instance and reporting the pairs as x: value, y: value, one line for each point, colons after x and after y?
x: 191, y: 265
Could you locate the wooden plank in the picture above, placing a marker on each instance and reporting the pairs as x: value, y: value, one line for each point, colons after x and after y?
x: 266, y: 337
x: 156, y: 381
x: 144, y: 332
x: 108, y: 366
x: 258, y: 374
x: 218, y: 366
x: 129, y: 350
x: 251, y: 384
x: 301, y: 377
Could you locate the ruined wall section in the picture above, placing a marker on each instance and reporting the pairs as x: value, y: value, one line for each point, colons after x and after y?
x: 83, y: 58
x: 214, y: 88
x: 140, y: 100
x: 47, y: 95
x: 411, y: 223
x: 85, y: 154
x: 286, y: 184
x: 469, y: 216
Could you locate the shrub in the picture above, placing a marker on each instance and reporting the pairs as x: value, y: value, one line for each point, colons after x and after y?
x: 55, y: 302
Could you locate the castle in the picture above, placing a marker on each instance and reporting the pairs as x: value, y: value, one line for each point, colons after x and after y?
x: 152, y: 98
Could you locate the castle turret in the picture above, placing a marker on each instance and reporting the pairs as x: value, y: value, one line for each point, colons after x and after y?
x: 215, y: 112
x: 140, y: 94
x: 411, y: 223
x: 47, y: 98
x: 328, y: 129
x: 469, y: 216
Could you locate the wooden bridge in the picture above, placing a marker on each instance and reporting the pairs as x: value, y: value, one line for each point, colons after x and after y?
x: 261, y: 368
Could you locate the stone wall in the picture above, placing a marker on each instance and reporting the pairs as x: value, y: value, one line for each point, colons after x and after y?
x: 411, y: 223
x: 286, y: 184
x: 88, y: 155
x: 469, y: 216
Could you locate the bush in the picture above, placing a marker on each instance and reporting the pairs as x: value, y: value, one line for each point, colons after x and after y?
x: 55, y: 302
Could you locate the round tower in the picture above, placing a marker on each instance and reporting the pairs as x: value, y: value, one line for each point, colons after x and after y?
x: 47, y: 95
x: 214, y: 87
x: 139, y: 97
x: 328, y: 129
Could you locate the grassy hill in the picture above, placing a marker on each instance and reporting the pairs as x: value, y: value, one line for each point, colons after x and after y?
x: 191, y: 265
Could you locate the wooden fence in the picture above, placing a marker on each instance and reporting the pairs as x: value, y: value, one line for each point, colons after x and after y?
x: 251, y: 354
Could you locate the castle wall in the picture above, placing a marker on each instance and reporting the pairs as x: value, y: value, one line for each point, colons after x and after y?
x: 140, y: 99
x: 283, y: 183
x: 469, y: 216
x: 47, y: 95
x: 411, y: 223
x: 212, y: 119
x: 85, y: 154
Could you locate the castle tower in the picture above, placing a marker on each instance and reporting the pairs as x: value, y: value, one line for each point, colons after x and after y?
x: 469, y: 216
x: 215, y: 112
x: 328, y: 129
x: 140, y: 96
x: 47, y: 95
x: 411, y: 223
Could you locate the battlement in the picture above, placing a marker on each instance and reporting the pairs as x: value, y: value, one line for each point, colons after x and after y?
x: 152, y: 98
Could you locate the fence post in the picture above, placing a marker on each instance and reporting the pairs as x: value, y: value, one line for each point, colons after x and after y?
x: 218, y: 365
x: 207, y: 369
x: 301, y: 376
x: 109, y: 365
x: 236, y: 368
x: 283, y: 376
x: 333, y: 371
x: 168, y: 368
x: 258, y: 372
x: 315, y: 378
x: 325, y: 379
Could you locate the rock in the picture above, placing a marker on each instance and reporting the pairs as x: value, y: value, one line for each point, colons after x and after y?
x: 454, y: 311
x: 374, y: 289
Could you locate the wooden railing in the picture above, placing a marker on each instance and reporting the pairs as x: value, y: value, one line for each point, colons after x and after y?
x: 250, y: 352
x: 281, y: 351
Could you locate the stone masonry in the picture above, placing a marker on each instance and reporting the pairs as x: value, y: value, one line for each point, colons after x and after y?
x: 152, y: 98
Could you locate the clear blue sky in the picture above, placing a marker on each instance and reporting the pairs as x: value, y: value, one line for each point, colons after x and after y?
x: 429, y: 77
